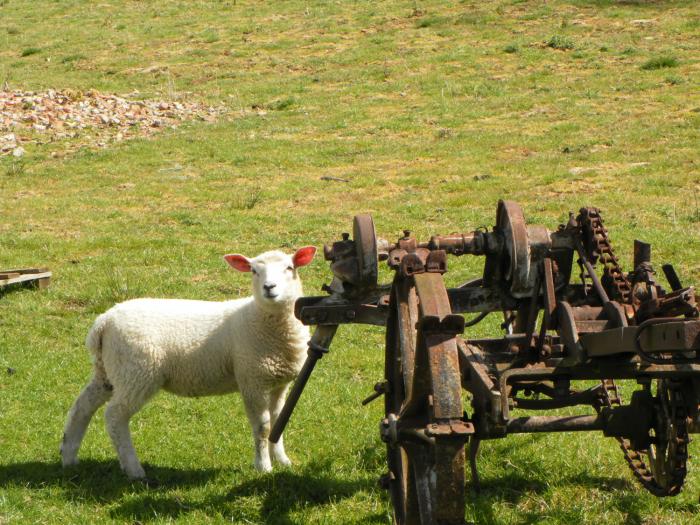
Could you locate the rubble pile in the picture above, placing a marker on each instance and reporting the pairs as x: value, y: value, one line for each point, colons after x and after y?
x: 90, y: 119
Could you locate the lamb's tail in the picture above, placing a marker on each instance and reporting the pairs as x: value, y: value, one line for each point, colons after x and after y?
x: 94, y: 338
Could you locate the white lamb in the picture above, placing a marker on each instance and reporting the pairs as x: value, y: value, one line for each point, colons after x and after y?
x: 254, y: 345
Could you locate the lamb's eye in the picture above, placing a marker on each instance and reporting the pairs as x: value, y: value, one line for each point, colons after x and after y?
x: 254, y: 272
x: 290, y: 268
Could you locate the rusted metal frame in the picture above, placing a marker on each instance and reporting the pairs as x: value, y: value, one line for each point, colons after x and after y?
x: 327, y: 310
x: 398, y: 361
x: 546, y: 279
x: 419, y: 453
x: 667, y: 335
x: 414, y: 363
x: 473, y: 243
x: 630, y: 369
x: 531, y: 424
x: 532, y: 313
x: 318, y: 346
x: 475, y: 374
x: 479, y: 299
x: 648, y: 325
x: 423, y: 475
x: 437, y: 333
x: 597, y: 286
x: 437, y: 330
x: 586, y: 397
x: 672, y: 277
x: 548, y: 293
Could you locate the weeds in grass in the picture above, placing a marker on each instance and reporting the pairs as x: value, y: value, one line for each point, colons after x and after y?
x: 73, y: 58
x: 247, y: 200
x: 416, y: 10
x: 695, y: 216
x: 659, y: 63
x: 563, y: 43
x: 281, y: 104
x: 15, y: 169
x: 510, y: 48
x: 444, y: 133
x: 210, y: 36
x: 186, y: 218
x: 471, y: 18
x: 30, y: 51
x: 429, y: 21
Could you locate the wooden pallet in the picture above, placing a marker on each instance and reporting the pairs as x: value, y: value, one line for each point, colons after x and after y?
x: 39, y: 277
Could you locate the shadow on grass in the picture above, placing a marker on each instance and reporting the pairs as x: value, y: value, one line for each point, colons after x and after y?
x: 100, y: 481
x: 510, y: 489
x: 270, y: 498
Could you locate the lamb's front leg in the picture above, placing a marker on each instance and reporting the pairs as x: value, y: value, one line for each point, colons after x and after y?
x: 256, y: 407
x: 276, y: 403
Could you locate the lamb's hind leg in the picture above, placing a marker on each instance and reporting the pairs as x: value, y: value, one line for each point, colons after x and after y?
x: 92, y: 397
x: 123, y: 405
x: 276, y: 404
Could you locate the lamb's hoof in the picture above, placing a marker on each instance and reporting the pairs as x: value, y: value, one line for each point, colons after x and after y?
x: 69, y: 455
x: 69, y: 462
x: 149, y: 483
x: 284, y: 461
x: 263, y: 467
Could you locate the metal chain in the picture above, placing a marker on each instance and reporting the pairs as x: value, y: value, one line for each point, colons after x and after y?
x: 635, y: 461
x: 598, y: 246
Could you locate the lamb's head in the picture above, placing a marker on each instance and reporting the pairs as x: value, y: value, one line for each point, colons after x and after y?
x: 275, y: 275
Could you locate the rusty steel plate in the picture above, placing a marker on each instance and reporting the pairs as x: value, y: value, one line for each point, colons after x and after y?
x: 511, y: 221
x: 366, y: 250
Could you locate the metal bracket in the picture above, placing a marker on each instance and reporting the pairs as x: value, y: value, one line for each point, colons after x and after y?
x: 452, y: 428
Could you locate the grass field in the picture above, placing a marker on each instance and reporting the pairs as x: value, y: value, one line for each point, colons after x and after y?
x: 431, y: 111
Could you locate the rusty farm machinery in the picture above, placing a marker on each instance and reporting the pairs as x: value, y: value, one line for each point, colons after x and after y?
x: 570, y: 315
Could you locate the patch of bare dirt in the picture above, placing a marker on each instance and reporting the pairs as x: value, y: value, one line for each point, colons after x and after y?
x: 90, y: 119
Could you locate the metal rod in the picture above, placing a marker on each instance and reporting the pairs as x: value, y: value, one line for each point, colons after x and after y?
x: 591, y: 273
x: 522, y: 425
x: 672, y: 277
x: 642, y: 253
x: 319, y: 343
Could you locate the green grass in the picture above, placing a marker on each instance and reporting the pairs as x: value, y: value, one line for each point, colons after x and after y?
x: 560, y: 42
x: 30, y: 51
x: 423, y: 109
x: 659, y: 63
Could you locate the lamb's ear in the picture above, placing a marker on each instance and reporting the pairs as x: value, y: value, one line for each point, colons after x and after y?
x: 304, y: 256
x: 238, y: 262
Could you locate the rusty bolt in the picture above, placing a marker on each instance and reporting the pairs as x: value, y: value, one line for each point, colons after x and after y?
x: 386, y: 479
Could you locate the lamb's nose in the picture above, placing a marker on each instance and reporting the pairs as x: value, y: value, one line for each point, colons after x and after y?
x: 268, y: 287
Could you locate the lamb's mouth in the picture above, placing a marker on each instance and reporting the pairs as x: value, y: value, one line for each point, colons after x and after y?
x: 269, y: 295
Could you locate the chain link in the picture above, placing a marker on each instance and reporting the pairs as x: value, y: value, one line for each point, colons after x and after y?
x: 598, y: 246
x: 676, y: 464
